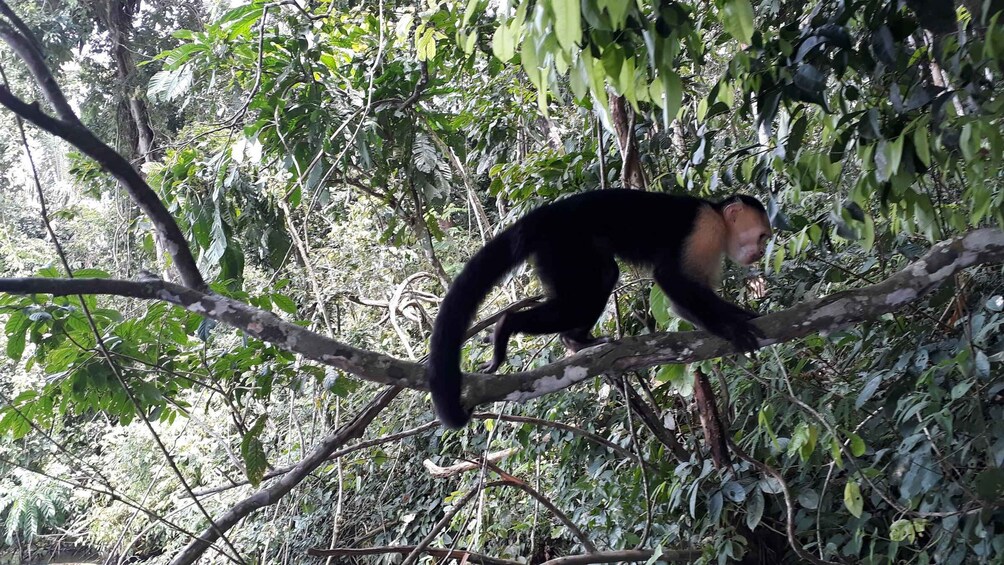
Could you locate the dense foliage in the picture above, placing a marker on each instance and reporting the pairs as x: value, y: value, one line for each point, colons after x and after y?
x: 337, y: 162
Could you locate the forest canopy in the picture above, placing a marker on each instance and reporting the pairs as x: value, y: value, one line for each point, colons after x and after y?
x: 226, y: 229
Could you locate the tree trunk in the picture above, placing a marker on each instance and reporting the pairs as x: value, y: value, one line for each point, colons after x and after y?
x: 632, y: 175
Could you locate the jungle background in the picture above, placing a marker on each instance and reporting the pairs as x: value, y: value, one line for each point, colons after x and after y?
x: 335, y: 163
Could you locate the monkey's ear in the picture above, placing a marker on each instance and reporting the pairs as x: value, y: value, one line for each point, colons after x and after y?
x: 732, y: 211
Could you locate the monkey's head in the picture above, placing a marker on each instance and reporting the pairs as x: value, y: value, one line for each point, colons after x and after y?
x: 748, y: 229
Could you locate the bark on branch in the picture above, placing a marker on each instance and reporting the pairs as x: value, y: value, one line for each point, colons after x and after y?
x: 628, y: 354
x: 457, y: 468
x: 437, y: 552
x: 627, y: 555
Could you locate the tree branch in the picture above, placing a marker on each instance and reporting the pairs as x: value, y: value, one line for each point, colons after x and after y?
x: 439, y: 553
x: 682, y: 555
x: 463, y: 466
x: 628, y: 354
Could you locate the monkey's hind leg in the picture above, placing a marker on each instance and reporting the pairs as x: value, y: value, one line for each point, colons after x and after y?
x: 581, y: 338
x: 579, y: 281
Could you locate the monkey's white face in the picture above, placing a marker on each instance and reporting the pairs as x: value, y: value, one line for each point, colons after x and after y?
x: 748, y: 234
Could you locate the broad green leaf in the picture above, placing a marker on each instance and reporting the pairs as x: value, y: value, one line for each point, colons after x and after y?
x: 17, y: 325
x: 803, y: 440
x: 470, y: 40
x: 764, y: 417
x: 809, y: 499
x: 715, y: 505
x: 472, y: 6
x: 922, y: 146
x: 567, y: 22
x: 504, y: 43
x: 754, y: 509
x: 907, y: 530
x: 868, y: 233
x: 990, y: 484
x: 982, y: 363
x: 852, y: 498
x: 737, y: 17
x: 659, y: 305
x: 968, y: 143
x: 531, y: 64
x: 734, y: 491
x: 868, y: 391
x: 673, y: 96
x: 284, y: 302
x: 253, y: 452
x: 618, y: 10
x: 778, y: 259
x: 678, y: 377
x: 887, y: 158
x: 858, y: 446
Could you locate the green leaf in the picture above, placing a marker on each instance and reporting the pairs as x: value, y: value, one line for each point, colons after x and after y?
x: 472, y: 6
x: 734, y: 491
x: 803, y: 440
x: 754, y: 509
x: 778, y: 259
x: 15, y: 329
x: 253, y: 452
x: 618, y: 10
x: 809, y: 499
x: 567, y: 22
x: 887, y: 158
x: 764, y: 418
x: 982, y: 363
x: 922, y: 146
x: 903, y: 529
x: 858, y: 446
x: 852, y: 498
x: 504, y: 43
x: 677, y: 376
x: 968, y: 143
x: 659, y: 305
x: 990, y: 484
x: 284, y: 302
x: 868, y: 391
x: 737, y: 17
x: 672, y: 91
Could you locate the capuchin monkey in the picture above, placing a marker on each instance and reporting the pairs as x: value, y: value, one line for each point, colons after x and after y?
x: 572, y: 244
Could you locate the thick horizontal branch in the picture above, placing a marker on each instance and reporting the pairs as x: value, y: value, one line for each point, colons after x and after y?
x: 260, y: 324
x: 823, y: 315
x: 627, y: 555
x: 439, y: 553
x: 628, y: 354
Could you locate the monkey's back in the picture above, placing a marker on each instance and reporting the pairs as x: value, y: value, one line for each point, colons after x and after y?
x: 636, y: 226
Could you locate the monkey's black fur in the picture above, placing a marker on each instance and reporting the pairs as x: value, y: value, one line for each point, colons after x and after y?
x: 572, y: 243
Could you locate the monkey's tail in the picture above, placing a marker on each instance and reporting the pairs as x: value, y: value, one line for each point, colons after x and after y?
x: 482, y: 272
